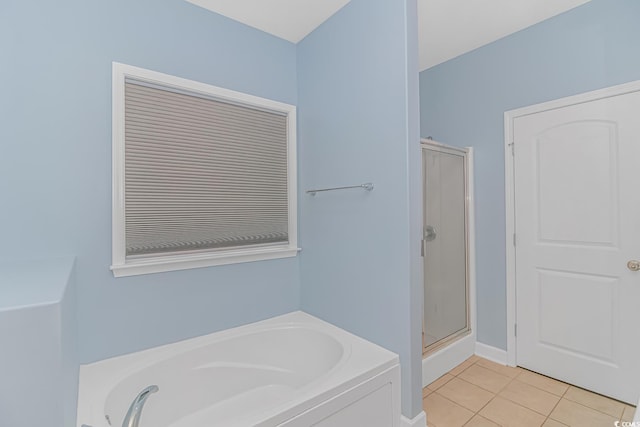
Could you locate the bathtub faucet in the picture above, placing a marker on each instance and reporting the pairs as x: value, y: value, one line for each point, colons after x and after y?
x: 133, y: 414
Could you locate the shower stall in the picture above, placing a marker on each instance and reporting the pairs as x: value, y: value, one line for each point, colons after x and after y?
x: 447, y: 315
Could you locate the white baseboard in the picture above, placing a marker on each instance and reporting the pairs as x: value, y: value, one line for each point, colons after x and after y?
x: 494, y: 354
x: 442, y: 361
x: 419, y: 420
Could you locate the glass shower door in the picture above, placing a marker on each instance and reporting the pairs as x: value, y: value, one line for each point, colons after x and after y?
x: 446, y: 295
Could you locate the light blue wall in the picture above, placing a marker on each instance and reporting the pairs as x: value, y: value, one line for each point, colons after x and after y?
x: 358, y: 122
x: 463, y: 101
x: 358, y: 113
x: 30, y: 368
x: 69, y: 357
x: 38, y: 341
x: 55, y: 166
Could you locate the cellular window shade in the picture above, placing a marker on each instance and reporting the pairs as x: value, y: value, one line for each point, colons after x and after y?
x: 201, y: 173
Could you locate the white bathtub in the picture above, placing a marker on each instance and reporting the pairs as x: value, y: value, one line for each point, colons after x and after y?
x: 291, y: 370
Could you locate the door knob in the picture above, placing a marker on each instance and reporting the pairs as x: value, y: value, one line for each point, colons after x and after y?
x: 633, y: 265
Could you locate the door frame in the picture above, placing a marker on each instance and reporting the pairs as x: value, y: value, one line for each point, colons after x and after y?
x: 464, y: 153
x: 510, y: 192
x: 442, y: 360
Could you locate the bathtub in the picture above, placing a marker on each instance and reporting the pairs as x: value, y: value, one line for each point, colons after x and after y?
x: 292, y: 370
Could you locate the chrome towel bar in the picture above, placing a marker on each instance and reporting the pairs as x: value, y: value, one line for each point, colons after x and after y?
x: 367, y: 186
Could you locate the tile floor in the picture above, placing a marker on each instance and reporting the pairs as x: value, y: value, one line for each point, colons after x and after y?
x: 480, y: 393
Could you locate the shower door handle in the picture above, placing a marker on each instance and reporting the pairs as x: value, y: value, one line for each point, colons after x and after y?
x: 429, y: 233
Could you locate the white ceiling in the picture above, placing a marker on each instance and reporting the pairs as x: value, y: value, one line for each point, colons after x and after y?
x: 447, y: 28
x: 288, y: 19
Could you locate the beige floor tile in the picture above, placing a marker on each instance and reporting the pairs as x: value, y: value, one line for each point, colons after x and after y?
x: 426, y: 392
x: 595, y: 401
x: 545, y: 383
x: 464, y: 365
x: 627, y: 415
x: 459, y: 369
x: 530, y: 397
x: 443, y: 412
x: 440, y: 382
x: 508, y: 414
x: 478, y: 421
x: 466, y: 394
x: 508, y: 371
x: 574, y: 414
x: 484, y: 378
x: 553, y: 423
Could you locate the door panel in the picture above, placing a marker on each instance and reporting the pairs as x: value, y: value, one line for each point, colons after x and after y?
x: 577, y: 224
x: 557, y: 291
x: 445, y: 251
x: 571, y: 200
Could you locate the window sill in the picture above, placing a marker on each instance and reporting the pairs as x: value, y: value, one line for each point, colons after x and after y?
x: 183, y: 262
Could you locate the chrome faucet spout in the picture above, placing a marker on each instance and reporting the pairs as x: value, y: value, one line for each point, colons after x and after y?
x: 135, y: 410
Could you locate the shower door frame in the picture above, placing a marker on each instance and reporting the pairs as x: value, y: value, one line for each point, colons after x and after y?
x: 466, y: 154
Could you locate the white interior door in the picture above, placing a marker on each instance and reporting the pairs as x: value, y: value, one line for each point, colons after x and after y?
x: 577, y: 222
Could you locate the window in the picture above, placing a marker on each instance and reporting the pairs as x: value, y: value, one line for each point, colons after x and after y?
x: 201, y: 175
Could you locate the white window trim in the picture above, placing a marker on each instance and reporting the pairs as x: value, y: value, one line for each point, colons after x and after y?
x: 121, y: 266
